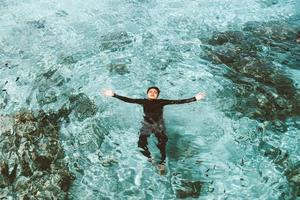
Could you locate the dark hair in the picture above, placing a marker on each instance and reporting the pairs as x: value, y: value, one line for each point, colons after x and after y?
x: 153, y: 87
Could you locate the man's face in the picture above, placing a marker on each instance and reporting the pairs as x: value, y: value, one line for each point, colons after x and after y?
x: 152, y: 94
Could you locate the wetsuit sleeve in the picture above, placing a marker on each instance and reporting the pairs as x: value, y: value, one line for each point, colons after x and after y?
x: 129, y: 100
x: 179, y: 101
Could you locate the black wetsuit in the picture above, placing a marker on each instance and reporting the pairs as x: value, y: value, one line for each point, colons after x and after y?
x: 153, y: 122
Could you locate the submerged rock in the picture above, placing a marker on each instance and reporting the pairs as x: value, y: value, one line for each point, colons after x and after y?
x: 83, y: 107
x: 47, y: 97
x: 39, y: 24
x: 278, y: 156
x: 4, y: 97
x: 119, y: 66
x: 268, y: 3
x: 61, y: 13
x: 189, y: 189
x: 262, y: 89
x: 234, y: 37
x: 69, y: 59
x: 115, y: 41
x: 293, y: 175
x: 31, y: 156
x: 49, y: 87
x: 255, y: 58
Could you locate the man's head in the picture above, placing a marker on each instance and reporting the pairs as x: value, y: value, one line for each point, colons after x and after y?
x: 153, y: 92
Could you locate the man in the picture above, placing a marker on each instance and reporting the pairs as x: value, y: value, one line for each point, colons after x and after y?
x: 153, y: 119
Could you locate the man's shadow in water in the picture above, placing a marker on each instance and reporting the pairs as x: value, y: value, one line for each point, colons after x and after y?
x: 182, y: 151
x: 180, y: 146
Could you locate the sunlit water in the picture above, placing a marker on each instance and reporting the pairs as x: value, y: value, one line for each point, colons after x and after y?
x: 160, y: 46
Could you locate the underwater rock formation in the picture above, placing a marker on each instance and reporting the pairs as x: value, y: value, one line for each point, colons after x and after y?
x: 82, y: 106
x: 115, y: 41
x: 255, y: 58
x: 119, y: 66
x: 32, y: 159
x: 189, y: 189
x: 262, y: 89
x: 293, y: 176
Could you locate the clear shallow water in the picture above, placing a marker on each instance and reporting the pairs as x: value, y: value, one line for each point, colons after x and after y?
x: 128, y: 46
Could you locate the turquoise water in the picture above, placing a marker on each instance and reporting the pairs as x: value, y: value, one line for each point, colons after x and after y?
x: 128, y: 45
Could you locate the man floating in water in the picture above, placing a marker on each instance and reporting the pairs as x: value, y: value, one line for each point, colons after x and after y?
x: 153, y: 120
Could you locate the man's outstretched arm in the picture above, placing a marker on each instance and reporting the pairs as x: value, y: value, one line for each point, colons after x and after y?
x: 126, y: 99
x: 198, y: 96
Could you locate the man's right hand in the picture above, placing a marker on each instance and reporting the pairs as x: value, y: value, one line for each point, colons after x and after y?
x: 108, y: 92
x: 200, y: 96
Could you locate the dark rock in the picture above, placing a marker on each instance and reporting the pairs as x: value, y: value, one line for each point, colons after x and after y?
x: 49, y: 88
x: 234, y: 37
x: 12, y: 175
x: 4, y: 168
x: 115, y: 41
x: 227, y: 55
x: 26, y: 170
x: 35, y: 147
x: 218, y: 39
x: 66, y: 180
x: 48, y: 97
x: 293, y: 175
x: 276, y: 154
x: 190, y: 189
x: 24, y: 116
x: 43, y: 162
x: 275, y: 94
x: 83, y: 107
x: 268, y: 3
x: 39, y: 24
x: 49, y: 73
x: 61, y: 13
x: 263, y: 91
x: 70, y: 59
x: 277, y: 125
x: 25, y: 197
x: 4, y: 98
x: 62, y: 113
x: 118, y: 68
x: 256, y: 28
